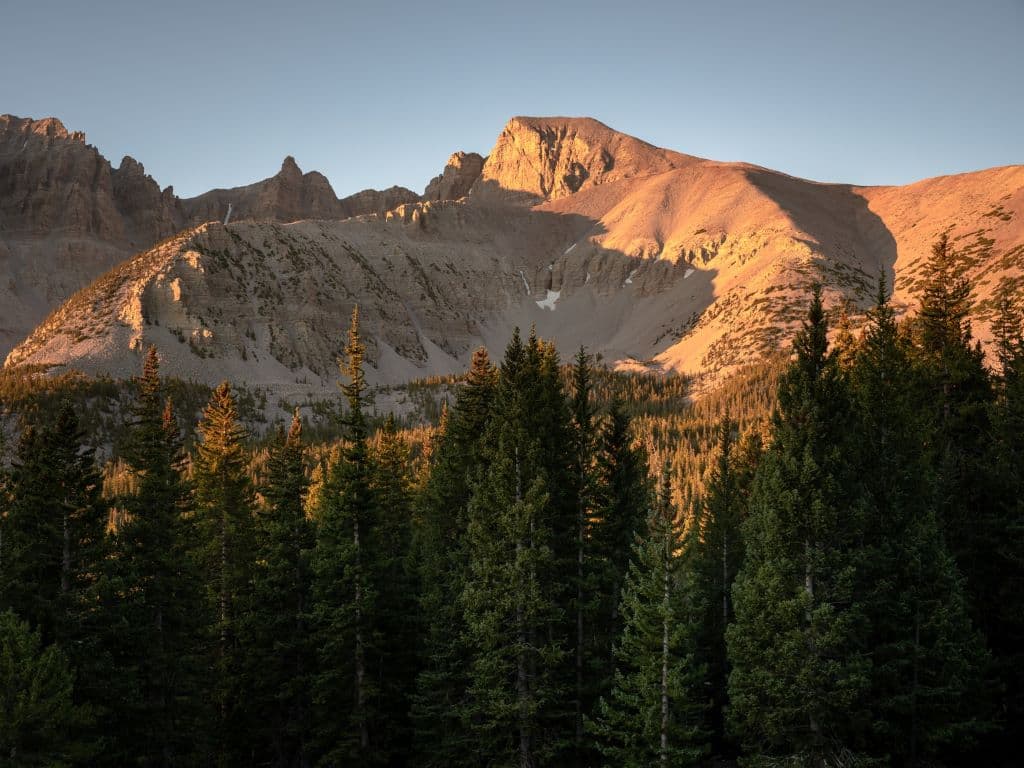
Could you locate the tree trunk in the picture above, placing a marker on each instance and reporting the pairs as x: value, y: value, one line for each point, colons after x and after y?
x: 663, y: 751
x: 364, y: 735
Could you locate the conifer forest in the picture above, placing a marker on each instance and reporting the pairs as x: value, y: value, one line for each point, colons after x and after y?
x: 819, y: 564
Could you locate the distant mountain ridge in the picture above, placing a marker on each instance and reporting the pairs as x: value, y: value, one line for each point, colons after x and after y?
x: 651, y: 257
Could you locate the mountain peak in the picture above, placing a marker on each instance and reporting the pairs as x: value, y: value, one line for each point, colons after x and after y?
x: 47, y: 127
x: 289, y: 167
x: 545, y: 158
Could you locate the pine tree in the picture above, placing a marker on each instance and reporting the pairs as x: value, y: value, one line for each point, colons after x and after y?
x: 586, y: 581
x: 927, y: 659
x: 717, y: 543
x: 1006, y: 468
x: 153, y: 593
x: 621, y: 496
x: 225, y: 553
x: 514, y: 620
x: 798, y: 682
x: 38, y: 716
x: 440, y: 552
x: 393, y: 572
x: 960, y: 393
x: 654, y: 712
x: 350, y: 728
x: 279, y: 654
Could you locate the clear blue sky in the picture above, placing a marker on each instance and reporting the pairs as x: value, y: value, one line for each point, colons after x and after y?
x: 215, y: 93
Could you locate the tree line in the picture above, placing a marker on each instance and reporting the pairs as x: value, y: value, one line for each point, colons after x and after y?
x: 844, y: 590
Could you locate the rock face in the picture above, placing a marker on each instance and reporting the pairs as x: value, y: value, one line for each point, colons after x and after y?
x: 538, y: 158
x: 66, y: 217
x: 458, y: 177
x: 650, y: 257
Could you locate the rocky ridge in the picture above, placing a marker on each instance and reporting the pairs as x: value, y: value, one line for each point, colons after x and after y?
x: 650, y: 257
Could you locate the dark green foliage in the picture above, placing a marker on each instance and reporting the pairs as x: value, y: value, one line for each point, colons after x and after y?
x: 927, y: 660
x: 153, y: 595
x: 1006, y: 470
x: 37, y: 711
x: 799, y: 679
x: 279, y: 655
x: 655, y: 711
x: 225, y: 551
x: 717, y: 542
x: 440, y: 556
x: 513, y: 597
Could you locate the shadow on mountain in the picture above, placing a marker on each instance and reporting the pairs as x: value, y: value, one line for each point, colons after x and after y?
x: 853, y: 243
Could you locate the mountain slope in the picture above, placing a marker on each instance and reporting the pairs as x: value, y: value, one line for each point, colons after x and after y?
x: 647, y: 256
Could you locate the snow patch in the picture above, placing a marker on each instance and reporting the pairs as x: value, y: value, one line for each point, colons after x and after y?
x: 688, y: 273
x: 629, y: 280
x: 570, y: 248
x: 588, y: 279
x: 526, y: 285
x: 549, y: 301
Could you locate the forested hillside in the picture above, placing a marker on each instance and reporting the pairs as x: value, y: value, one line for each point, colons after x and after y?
x: 820, y: 563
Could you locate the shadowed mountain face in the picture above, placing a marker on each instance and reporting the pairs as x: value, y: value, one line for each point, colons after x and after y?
x: 648, y: 256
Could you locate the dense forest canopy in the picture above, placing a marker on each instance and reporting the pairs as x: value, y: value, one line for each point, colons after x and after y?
x: 821, y: 563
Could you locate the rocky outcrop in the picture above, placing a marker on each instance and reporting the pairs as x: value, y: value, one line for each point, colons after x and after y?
x: 66, y: 217
x: 458, y: 177
x: 547, y: 158
x: 289, y: 195
x: 377, y: 201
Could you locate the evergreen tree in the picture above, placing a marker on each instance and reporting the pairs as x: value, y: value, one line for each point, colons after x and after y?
x: 1006, y: 468
x: 153, y: 593
x: 717, y: 543
x: 587, y: 583
x: 927, y: 659
x: 38, y: 716
x: 279, y: 655
x: 225, y: 552
x: 441, y: 736
x: 654, y: 713
x: 514, y: 621
x: 350, y: 728
x: 621, y: 504
x: 960, y: 393
x: 392, y: 571
x: 798, y: 682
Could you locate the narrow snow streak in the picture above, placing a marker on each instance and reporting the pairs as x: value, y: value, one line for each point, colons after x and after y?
x: 688, y: 273
x: 570, y: 248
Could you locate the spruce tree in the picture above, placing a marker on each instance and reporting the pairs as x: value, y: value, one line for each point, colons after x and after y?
x: 799, y: 680
x: 717, y: 543
x: 621, y: 503
x: 38, y: 715
x: 515, y: 624
x: 655, y: 710
x: 1006, y: 468
x: 960, y: 394
x: 225, y: 552
x: 153, y: 593
x: 279, y: 653
x: 393, y: 572
x: 442, y: 738
x: 351, y: 728
x: 927, y: 659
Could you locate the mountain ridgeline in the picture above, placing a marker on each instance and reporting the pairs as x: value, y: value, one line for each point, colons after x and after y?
x: 654, y: 259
